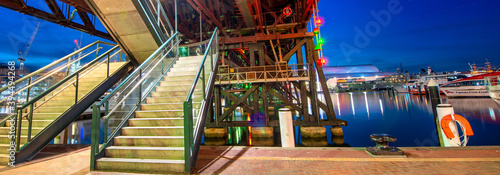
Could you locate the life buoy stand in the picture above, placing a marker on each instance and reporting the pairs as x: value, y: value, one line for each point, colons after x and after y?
x: 445, y: 125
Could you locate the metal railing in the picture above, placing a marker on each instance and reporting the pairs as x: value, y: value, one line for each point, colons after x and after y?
x: 192, y: 136
x: 70, y: 84
x: 127, y: 97
x: 157, y: 16
x: 36, y: 82
x: 273, y: 73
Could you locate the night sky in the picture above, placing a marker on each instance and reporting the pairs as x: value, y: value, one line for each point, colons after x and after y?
x: 443, y: 34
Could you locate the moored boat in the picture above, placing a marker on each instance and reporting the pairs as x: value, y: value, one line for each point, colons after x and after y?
x: 468, y: 87
x: 493, y: 87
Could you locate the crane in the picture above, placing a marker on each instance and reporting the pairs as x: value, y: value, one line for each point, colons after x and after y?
x: 22, y: 55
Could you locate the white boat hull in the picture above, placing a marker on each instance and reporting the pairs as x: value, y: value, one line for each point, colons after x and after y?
x: 465, y: 91
x: 494, y: 92
x: 401, y: 90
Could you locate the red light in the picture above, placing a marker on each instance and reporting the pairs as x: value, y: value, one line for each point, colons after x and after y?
x: 321, y: 62
x: 75, y: 41
x: 318, y: 22
x: 316, y: 31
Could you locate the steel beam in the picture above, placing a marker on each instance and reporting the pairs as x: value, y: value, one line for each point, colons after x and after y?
x: 245, y: 12
x: 55, y: 18
x: 256, y: 38
x: 200, y: 8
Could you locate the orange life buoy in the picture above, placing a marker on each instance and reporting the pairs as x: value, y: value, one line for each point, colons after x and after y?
x: 445, y: 125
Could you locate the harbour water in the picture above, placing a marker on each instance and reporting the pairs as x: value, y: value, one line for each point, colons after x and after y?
x: 410, y: 119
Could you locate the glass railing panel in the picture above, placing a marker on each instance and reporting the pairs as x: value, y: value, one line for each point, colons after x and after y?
x: 30, y: 85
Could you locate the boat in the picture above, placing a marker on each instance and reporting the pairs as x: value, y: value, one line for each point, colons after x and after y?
x: 493, y: 87
x: 414, y: 91
x: 468, y: 87
x: 440, y: 79
x: 401, y: 89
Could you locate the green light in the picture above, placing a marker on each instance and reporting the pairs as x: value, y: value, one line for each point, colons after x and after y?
x: 321, y: 41
x: 246, y: 86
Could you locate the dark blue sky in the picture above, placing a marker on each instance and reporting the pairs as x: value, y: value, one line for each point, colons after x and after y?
x: 444, y: 34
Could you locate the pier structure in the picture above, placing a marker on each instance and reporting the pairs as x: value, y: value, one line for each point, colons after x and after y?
x: 186, y: 63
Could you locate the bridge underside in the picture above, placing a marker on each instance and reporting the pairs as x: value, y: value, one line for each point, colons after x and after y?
x: 258, y: 43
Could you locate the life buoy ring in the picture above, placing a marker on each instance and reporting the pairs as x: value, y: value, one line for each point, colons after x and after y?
x: 445, y: 125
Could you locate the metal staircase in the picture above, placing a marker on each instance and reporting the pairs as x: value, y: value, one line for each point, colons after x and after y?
x: 156, y: 117
x: 49, y: 104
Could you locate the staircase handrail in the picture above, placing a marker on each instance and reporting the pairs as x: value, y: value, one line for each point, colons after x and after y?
x: 68, y: 80
x: 192, y: 142
x: 152, y: 62
x: 67, y: 57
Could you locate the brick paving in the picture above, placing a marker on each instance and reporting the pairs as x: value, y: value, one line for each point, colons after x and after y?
x: 256, y: 161
x: 272, y: 160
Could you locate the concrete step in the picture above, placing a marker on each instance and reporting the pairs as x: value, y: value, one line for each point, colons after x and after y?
x: 57, y: 109
x: 145, y: 152
x: 24, y: 131
x: 175, y: 87
x: 4, y: 159
x: 198, y: 57
x: 153, y: 131
x: 71, y: 92
x: 188, y: 78
x: 36, y: 123
x: 191, y: 63
x: 5, y: 139
x: 181, y: 99
x: 175, y: 93
x: 176, y: 82
x: 140, y: 165
x: 4, y: 148
x: 155, y: 141
x: 182, y: 69
x: 159, y: 114
x: 46, y: 116
x: 53, y: 103
x: 66, y: 97
x: 183, y: 73
x: 156, y: 122
x: 166, y: 106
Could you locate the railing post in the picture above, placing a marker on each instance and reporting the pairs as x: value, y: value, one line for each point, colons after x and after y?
x: 68, y: 66
x: 94, y: 141
x: 107, y: 70
x: 202, y: 81
x: 30, y: 121
x: 106, y: 108
x: 140, y: 88
x: 175, y: 7
x: 76, y: 88
x: 105, y: 140
x: 29, y: 89
x: 19, y: 127
x: 97, y: 51
x: 187, y: 136
x: 158, y: 13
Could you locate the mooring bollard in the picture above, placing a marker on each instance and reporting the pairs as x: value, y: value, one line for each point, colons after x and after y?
x: 434, y: 93
x: 420, y: 90
x: 286, y: 128
x: 443, y: 110
x: 382, y: 145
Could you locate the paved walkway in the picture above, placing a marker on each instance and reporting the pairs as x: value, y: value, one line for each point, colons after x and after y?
x: 270, y: 160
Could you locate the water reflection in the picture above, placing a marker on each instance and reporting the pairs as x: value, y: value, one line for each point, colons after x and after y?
x: 410, y: 118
